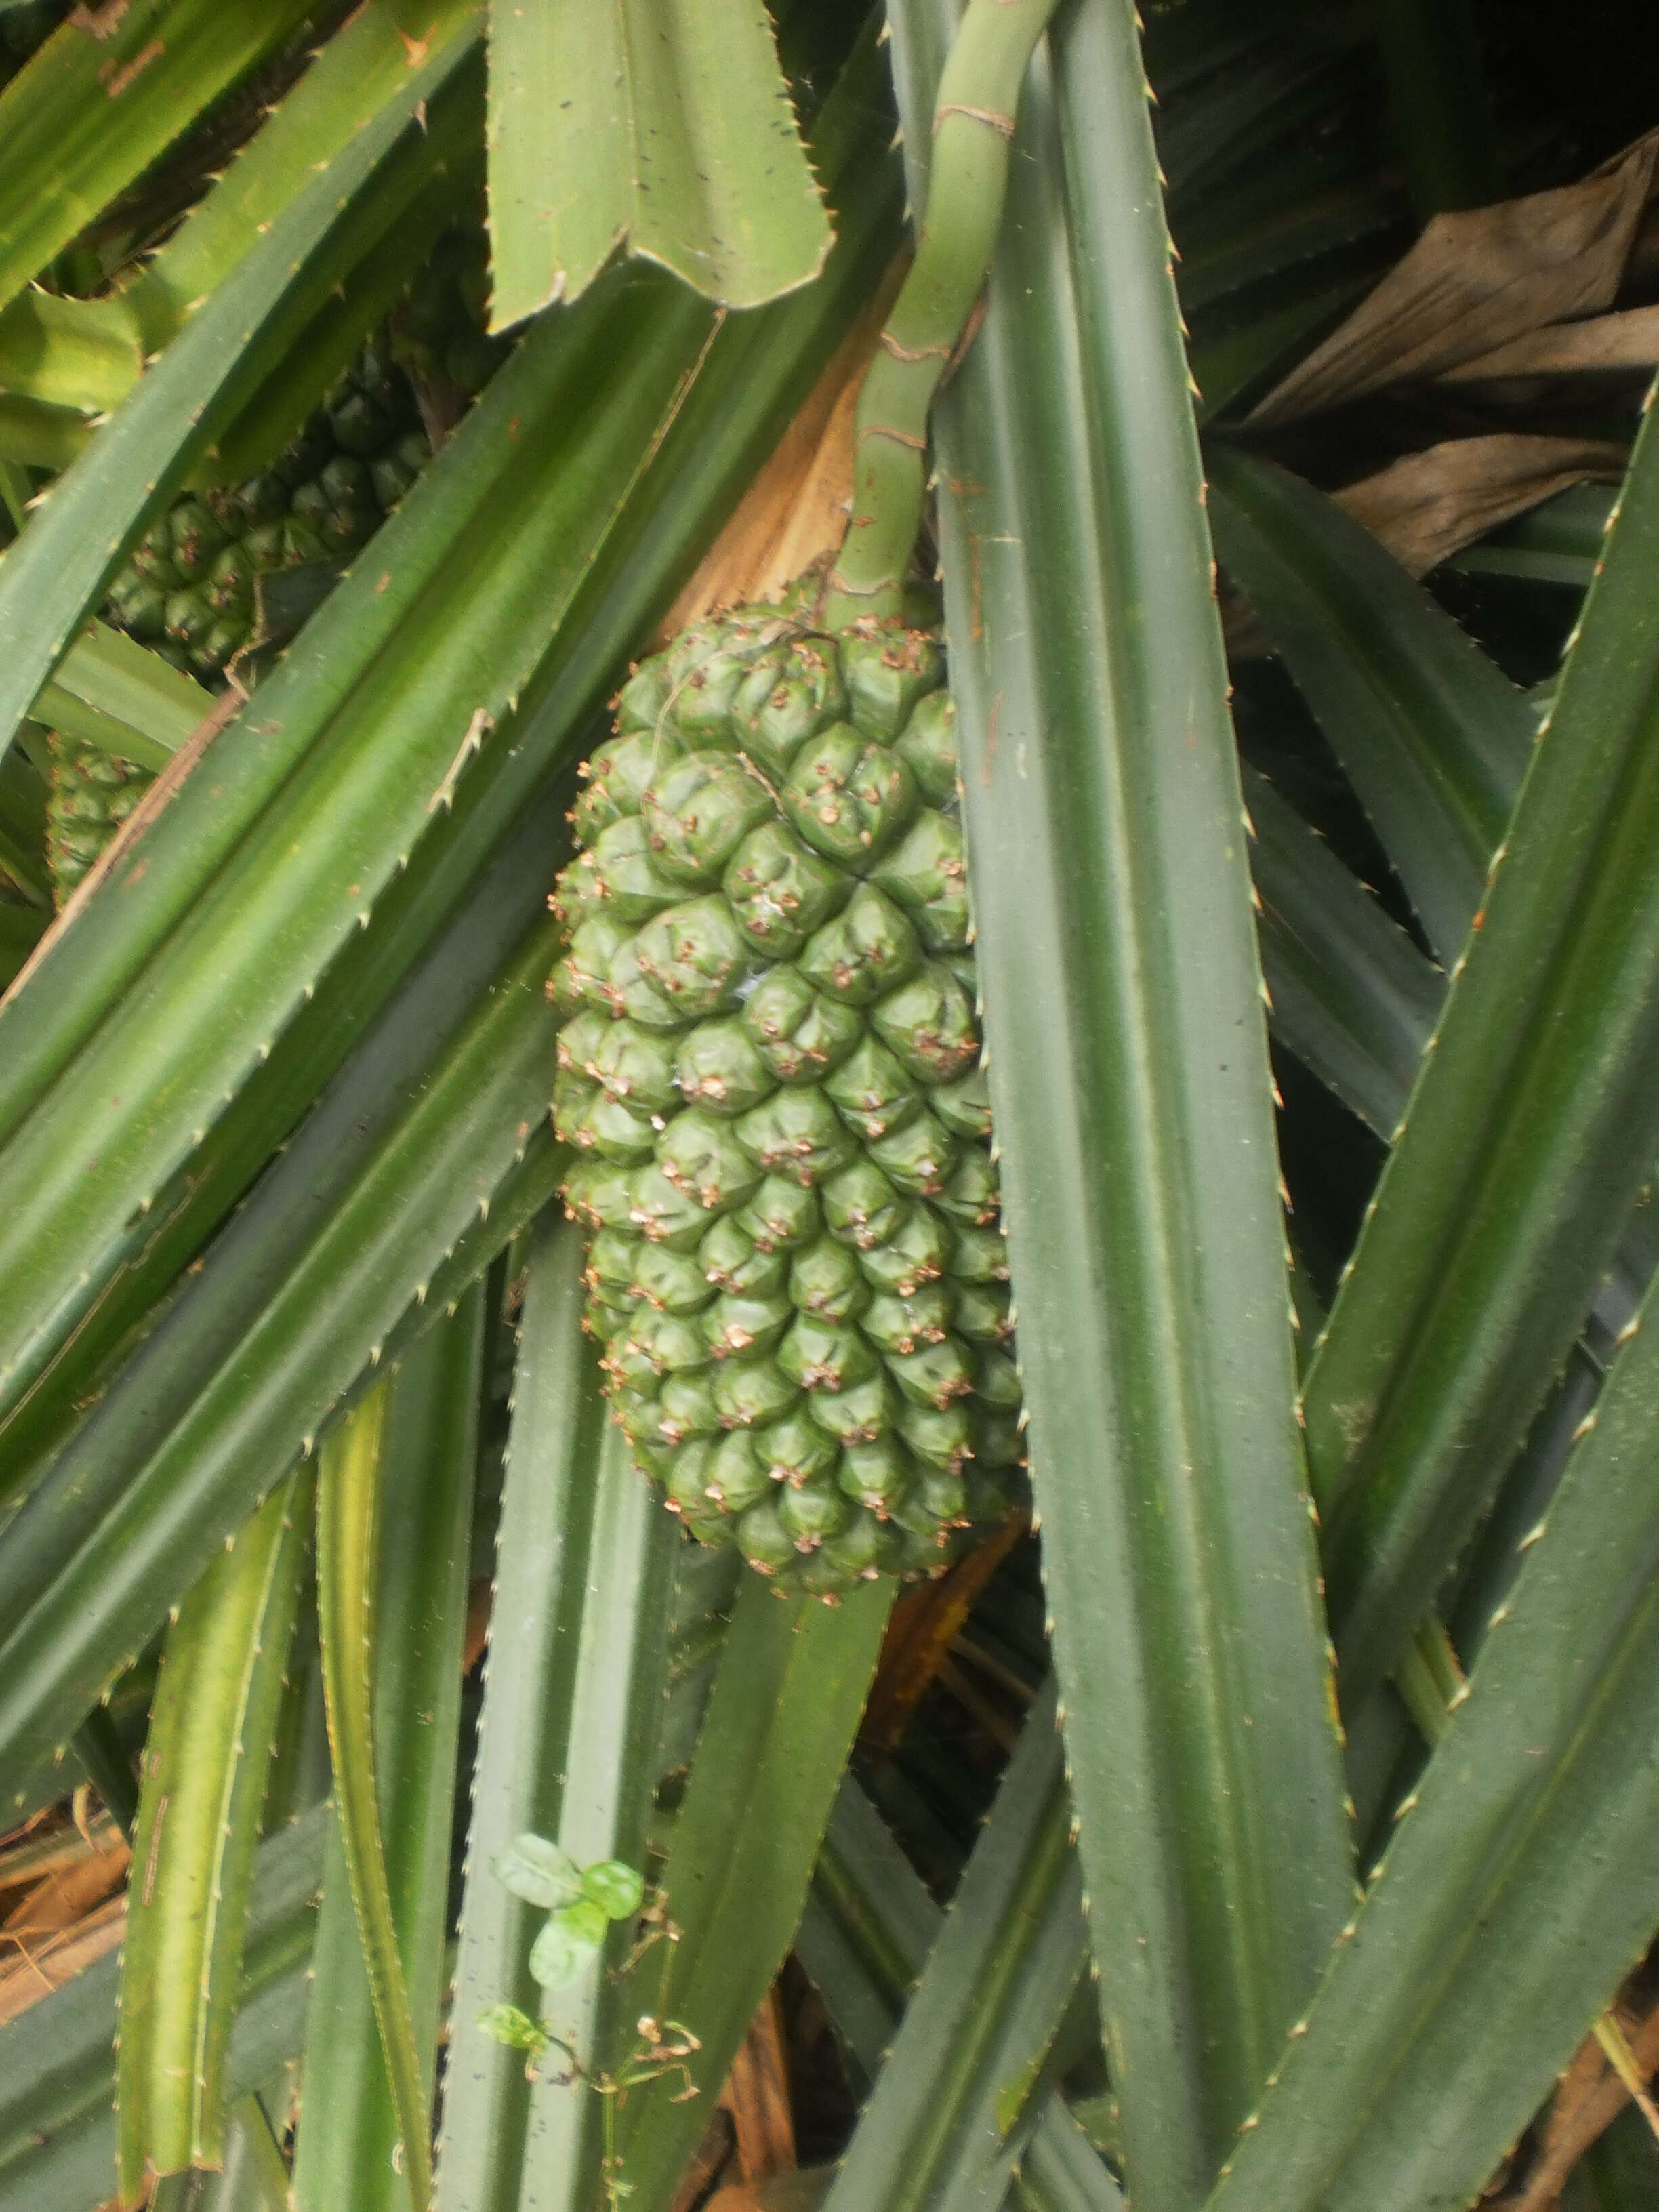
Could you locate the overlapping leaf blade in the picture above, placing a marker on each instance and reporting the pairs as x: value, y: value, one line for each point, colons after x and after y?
x: 577, y: 1672
x: 1525, y: 1142
x: 101, y: 99
x: 941, y: 2128
x: 1431, y: 733
x: 791, y: 1684
x: 51, y: 579
x: 1349, y: 993
x: 394, y: 1055
x: 1522, y: 1880
x: 362, y: 760
x: 1127, y: 1068
x: 57, y: 2081
x: 415, y: 1220
x: 116, y: 694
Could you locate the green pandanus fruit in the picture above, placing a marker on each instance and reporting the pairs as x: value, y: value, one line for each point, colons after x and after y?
x: 90, y: 796
x: 226, y: 571
x: 192, y: 586
x: 770, y: 1068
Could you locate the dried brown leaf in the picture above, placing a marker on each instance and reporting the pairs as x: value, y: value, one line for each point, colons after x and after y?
x: 756, y: 2095
x: 1426, y: 506
x: 1475, y: 282
x: 796, y: 508
x: 1595, y: 347
x: 44, y: 1964
x: 1589, y: 2099
x: 926, y: 1622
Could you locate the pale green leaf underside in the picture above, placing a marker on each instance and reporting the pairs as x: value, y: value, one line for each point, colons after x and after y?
x: 204, y: 1777
x: 662, y: 124
x: 349, y: 1503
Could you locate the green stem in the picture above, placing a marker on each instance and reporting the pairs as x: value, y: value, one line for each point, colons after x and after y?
x: 973, y: 128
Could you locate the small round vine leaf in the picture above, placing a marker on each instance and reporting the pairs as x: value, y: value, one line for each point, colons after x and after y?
x: 506, y: 2023
x: 618, y: 1889
x: 562, y: 1953
x: 538, y: 1872
x: 584, y: 1920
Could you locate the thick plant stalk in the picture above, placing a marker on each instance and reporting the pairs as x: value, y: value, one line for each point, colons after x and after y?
x: 973, y: 128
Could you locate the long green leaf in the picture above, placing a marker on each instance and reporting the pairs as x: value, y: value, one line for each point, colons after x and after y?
x: 100, y: 99
x: 52, y: 577
x: 939, y: 2128
x: 1524, y: 1145
x: 791, y: 1687
x: 350, y: 1503
x: 348, y: 2123
x: 1128, y: 1071
x: 368, y: 729
x: 275, y: 1226
x: 1524, y: 1877
x: 112, y: 692
x: 1432, y: 737
x: 57, y: 2060
x: 654, y: 124
x: 205, y: 1764
x: 1349, y: 993
x: 865, y: 1937
x: 367, y: 1095
x: 427, y: 1186
x: 1557, y: 542
x: 1441, y: 108
x: 573, y: 1697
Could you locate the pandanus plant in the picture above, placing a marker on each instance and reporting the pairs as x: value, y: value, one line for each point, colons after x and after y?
x: 944, y: 989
